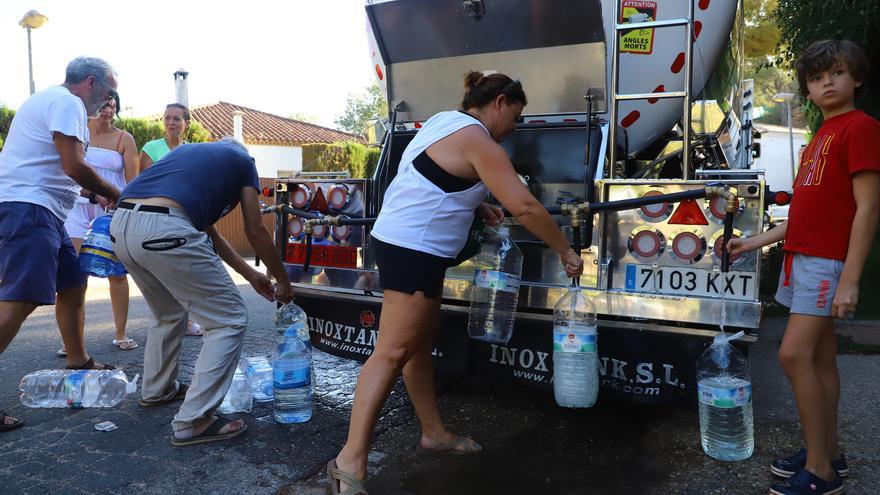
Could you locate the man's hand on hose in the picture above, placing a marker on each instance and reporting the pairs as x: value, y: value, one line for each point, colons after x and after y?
x: 573, y: 264
x: 262, y: 285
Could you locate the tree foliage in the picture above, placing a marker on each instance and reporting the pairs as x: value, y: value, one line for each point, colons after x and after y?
x: 359, y: 160
x: 803, y: 22
x: 361, y: 108
x: 144, y: 130
x: 6, y: 115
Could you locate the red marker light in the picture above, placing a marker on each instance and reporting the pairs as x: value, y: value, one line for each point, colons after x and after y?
x: 295, y: 228
x: 718, y: 207
x: 268, y: 191
x: 319, y: 231
x: 341, y: 232
x: 319, y: 203
x: 718, y: 245
x: 338, y: 197
x: 688, y: 213
x: 782, y: 198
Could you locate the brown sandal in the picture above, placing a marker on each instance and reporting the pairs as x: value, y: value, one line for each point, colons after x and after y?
x: 336, y: 475
x: 451, y: 447
x: 16, y: 423
x: 88, y: 366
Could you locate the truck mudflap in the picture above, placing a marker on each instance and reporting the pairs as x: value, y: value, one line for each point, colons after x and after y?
x: 638, y: 363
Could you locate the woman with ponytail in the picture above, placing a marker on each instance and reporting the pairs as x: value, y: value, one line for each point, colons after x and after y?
x: 445, y: 172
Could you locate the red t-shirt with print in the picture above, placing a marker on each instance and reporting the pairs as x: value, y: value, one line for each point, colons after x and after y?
x: 822, y: 206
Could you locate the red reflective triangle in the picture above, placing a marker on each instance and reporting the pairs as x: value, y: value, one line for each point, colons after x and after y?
x: 319, y: 203
x: 688, y: 213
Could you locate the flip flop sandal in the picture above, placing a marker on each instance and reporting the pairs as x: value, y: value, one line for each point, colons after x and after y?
x: 336, y: 475
x: 181, y: 393
x: 193, y: 329
x: 210, y: 434
x: 88, y: 366
x: 61, y: 352
x: 7, y: 427
x: 451, y: 447
x: 125, y: 344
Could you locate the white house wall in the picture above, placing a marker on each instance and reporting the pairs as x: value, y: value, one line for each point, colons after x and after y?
x: 775, y: 157
x: 272, y: 159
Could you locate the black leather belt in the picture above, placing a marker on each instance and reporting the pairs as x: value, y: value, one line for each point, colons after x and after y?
x: 125, y: 205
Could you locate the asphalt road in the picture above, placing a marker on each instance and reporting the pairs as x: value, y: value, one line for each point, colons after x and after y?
x: 531, y: 445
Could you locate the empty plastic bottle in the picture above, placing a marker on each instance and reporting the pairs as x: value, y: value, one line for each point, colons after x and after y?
x: 75, y: 388
x: 292, y: 380
x: 96, y: 256
x: 495, y: 289
x: 724, y: 386
x: 575, y: 351
x: 238, y: 398
x: 291, y: 319
x: 258, y: 371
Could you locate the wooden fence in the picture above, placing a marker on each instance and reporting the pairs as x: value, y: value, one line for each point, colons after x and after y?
x: 232, y: 225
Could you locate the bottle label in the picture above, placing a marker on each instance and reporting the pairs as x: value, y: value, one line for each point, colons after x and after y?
x: 290, y: 377
x: 725, y: 398
x: 491, y: 279
x: 566, y: 341
x: 73, y: 392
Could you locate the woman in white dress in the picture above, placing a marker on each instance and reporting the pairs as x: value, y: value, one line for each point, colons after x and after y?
x: 112, y: 153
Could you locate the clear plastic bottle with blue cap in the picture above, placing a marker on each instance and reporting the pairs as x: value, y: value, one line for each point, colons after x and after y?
x: 724, y: 385
x: 292, y: 370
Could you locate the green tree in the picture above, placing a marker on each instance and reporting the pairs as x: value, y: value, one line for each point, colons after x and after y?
x: 361, y: 108
x: 306, y: 117
x: 803, y: 22
x: 6, y: 115
x: 144, y: 130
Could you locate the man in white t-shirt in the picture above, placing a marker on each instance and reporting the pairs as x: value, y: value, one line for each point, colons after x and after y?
x: 42, y: 170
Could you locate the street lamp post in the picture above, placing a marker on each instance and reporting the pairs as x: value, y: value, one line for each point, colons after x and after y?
x: 787, y: 99
x: 31, y: 20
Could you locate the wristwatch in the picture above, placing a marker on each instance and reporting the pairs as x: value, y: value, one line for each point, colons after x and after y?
x: 92, y: 198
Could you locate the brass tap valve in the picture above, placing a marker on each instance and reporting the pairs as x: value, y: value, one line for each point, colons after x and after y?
x: 577, y: 212
x: 713, y: 192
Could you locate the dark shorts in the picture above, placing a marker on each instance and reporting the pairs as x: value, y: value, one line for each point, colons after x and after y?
x: 37, y: 258
x: 407, y: 270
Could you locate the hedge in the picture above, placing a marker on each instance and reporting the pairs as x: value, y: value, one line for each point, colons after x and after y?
x: 359, y: 160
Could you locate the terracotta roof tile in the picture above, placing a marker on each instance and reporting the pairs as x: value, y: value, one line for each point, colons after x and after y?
x: 265, y: 128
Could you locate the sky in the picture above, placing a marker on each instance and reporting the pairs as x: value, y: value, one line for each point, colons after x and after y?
x: 284, y: 57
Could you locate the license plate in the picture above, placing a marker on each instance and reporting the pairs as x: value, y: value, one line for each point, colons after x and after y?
x: 334, y: 256
x: 690, y: 282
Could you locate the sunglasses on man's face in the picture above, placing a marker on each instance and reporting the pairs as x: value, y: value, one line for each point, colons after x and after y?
x: 111, y: 94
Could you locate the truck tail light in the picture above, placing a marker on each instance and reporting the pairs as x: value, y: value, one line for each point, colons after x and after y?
x: 301, y: 196
x: 295, y: 228
x: 341, y: 232
x: 656, y: 211
x: 719, y: 244
x: 688, y: 213
x: 718, y: 208
x: 338, y: 197
x: 319, y: 231
x: 688, y: 247
x: 646, y: 244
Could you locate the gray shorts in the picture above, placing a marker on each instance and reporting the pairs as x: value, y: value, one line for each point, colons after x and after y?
x: 812, y: 282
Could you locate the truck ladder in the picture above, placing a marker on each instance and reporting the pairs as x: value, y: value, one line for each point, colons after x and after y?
x: 616, y: 97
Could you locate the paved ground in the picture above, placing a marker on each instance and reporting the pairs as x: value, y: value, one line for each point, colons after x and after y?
x: 531, y: 446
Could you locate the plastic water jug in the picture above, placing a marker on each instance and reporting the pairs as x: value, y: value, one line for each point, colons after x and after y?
x: 96, y: 255
x: 495, y: 289
x: 575, y: 350
x: 75, y: 388
x: 238, y: 398
x: 724, y: 385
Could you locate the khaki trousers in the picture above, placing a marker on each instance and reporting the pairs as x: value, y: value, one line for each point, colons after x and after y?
x: 179, y: 274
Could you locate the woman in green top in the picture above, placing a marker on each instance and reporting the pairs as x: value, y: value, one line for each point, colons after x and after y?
x: 176, y: 124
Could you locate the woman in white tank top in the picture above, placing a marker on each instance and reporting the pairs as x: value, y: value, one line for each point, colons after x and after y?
x: 443, y: 177
x: 112, y: 154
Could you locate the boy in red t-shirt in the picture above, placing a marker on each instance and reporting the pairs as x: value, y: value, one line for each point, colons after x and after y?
x: 831, y: 225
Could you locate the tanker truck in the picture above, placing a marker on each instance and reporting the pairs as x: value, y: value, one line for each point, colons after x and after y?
x: 628, y: 99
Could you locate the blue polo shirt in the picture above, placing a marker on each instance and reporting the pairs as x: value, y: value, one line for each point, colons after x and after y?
x: 205, y: 179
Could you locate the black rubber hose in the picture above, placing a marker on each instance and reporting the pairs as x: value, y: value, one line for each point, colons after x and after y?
x: 308, y: 252
x: 576, y: 237
x: 633, y: 203
x: 728, y: 232
x: 301, y: 213
x: 356, y: 221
